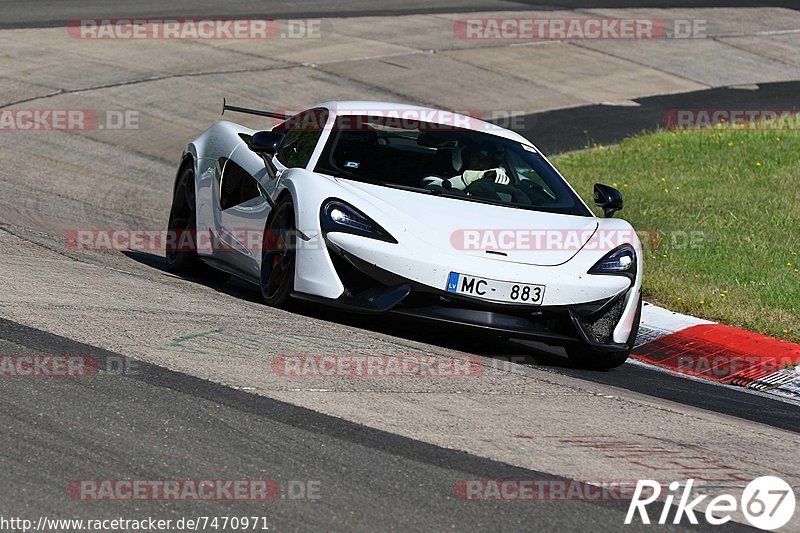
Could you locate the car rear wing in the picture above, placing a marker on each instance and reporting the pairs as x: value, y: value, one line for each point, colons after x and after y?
x: 270, y: 114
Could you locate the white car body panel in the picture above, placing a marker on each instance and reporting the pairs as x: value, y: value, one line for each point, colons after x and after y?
x: 422, y: 224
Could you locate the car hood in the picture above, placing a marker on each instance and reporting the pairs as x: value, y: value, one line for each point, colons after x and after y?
x: 494, y: 232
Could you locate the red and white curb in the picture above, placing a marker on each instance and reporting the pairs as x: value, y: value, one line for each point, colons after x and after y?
x: 716, y: 352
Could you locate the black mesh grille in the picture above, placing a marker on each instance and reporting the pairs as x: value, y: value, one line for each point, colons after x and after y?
x: 600, y: 326
x: 238, y: 186
x: 232, y: 178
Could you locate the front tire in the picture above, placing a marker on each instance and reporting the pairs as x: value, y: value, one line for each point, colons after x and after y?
x: 584, y: 356
x: 278, y: 256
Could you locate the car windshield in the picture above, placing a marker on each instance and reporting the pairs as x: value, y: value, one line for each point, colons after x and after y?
x: 445, y: 160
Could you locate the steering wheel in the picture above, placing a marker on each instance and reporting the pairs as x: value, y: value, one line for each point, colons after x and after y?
x: 487, y: 188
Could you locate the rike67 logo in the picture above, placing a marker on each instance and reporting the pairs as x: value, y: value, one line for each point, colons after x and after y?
x: 767, y: 503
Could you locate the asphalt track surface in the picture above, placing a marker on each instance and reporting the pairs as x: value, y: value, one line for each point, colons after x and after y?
x: 153, y: 423
x: 574, y: 128
x: 50, y: 13
x: 638, y: 378
x: 160, y: 424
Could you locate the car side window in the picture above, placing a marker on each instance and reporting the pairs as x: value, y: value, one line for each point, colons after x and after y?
x: 302, y: 134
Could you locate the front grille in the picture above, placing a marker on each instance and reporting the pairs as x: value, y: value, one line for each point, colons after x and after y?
x: 600, y: 326
x: 354, y: 280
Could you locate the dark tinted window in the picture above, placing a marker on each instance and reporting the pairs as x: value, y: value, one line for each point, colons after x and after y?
x: 302, y: 133
x: 449, y: 161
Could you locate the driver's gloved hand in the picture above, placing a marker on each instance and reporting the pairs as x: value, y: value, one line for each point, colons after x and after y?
x: 497, y: 175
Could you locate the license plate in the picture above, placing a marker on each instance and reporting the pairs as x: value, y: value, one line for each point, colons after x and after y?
x: 494, y: 290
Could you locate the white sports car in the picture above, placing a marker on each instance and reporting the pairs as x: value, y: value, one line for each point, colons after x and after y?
x: 386, y: 208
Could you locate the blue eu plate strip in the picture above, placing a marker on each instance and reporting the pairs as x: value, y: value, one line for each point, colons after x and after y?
x: 452, y: 282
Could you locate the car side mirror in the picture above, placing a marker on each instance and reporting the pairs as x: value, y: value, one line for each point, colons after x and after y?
x: 607, y: 198
x: 266, y: 142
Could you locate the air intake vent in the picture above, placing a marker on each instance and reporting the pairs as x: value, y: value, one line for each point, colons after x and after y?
x: 237, y: 186
x: 600, y: 326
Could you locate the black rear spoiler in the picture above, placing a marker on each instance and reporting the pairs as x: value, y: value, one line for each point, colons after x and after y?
x: 270, y: 114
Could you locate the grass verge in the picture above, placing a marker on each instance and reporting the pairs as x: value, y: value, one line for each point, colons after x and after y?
x: 718, y: 211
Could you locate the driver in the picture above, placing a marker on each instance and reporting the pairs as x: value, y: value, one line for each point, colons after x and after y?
x: 477, y: 164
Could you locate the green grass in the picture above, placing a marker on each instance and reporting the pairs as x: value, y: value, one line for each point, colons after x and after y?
x: 718, y: 211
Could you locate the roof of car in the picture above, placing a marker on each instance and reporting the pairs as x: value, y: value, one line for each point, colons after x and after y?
x: 426, y: 114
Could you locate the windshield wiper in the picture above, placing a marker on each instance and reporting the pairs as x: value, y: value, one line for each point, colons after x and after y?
x: 413, y: 189
x: 342, y: 174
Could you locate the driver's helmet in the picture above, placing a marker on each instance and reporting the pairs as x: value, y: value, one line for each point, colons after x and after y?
x: 487, y: 151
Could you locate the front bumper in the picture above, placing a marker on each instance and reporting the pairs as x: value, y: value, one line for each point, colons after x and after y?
x: 370, y: 289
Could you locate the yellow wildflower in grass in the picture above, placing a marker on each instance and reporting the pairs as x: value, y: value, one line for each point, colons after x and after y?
x: 758, y: 164
x: 730, y: 143
x: 666, y: 190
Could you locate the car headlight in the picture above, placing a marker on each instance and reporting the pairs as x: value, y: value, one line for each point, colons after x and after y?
x: 337, y: 215
x: 620, y: 261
